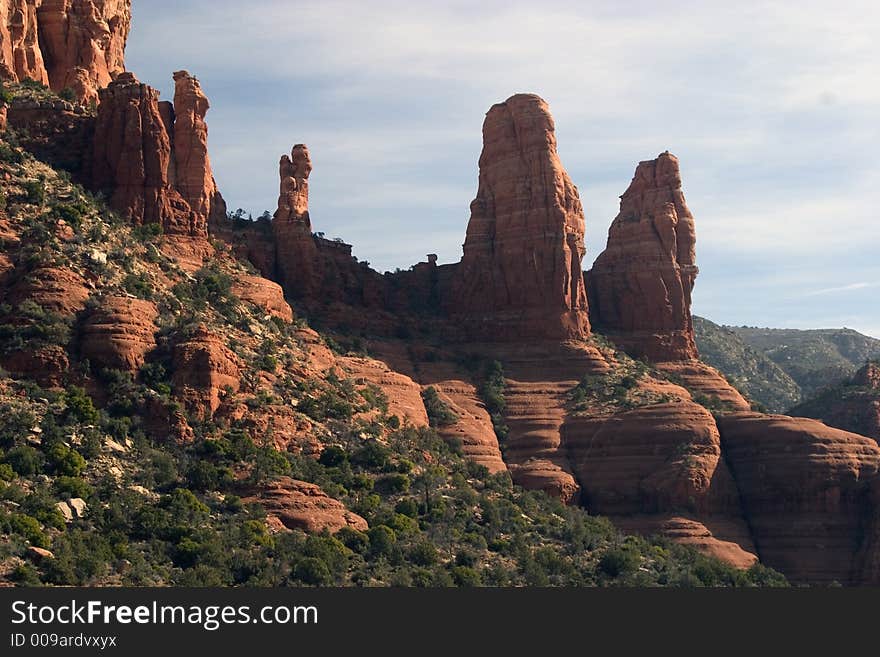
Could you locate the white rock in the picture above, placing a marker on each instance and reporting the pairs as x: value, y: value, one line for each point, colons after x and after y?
x: 79, y: 506
x: 98, y: 257
x: 113, y: 446
x: 66, y: 511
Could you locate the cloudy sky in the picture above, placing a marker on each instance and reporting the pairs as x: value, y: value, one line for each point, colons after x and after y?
x: 772, y: 107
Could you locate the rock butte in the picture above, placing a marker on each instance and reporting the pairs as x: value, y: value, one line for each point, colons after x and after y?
x: 521, y: 276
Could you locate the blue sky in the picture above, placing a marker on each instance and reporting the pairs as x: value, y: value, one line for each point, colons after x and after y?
x: 772, y: 108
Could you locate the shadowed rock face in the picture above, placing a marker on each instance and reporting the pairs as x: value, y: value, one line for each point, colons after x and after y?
x: 520, y: 276
x: 66, y: 44
x: 640, y: 286
x: 151, y: 158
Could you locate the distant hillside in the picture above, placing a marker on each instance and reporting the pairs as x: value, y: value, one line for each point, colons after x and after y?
x: 749, y: 369
x: 853, y: 405
x: 815, y: 359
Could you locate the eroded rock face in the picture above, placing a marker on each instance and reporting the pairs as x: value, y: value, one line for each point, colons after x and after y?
x: 806, y: 493
x: 657, y: 459
x: 65, y: 44
x: 119, y: 333
x: 204, y: 370
x: 83, y: 43
x: 151, y: 161
x: 640, y: 286
x: 520, y: 276
x: 263, y: 293
x: 20, y: 54
x: 292, y: 504
x: 132, y: 156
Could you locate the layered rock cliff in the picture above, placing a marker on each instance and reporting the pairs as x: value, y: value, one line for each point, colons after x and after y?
x: 640, y: 286
x: 520, y: 276
x: 66, y: 44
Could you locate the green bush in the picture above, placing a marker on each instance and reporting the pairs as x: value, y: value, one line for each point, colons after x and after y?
x: 25, y: 460
x: 138, y: 285
x: 63, y: 460
x: 312, y: 571
x: 35, y: 192
x: 26, y: 526
x: 439, y: 414
x: 618, y: 561
x: 80, y: 407
x: 382, y: 540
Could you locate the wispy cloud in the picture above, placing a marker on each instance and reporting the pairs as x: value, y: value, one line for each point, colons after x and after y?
x: 842, y: 288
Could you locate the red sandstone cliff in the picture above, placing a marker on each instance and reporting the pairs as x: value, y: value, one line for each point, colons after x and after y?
x: 520, y: 276
x: 66, y: 44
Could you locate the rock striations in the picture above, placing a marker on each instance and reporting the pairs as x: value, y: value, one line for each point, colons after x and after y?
x: 520, y: 276
x: 65, y: 44
x: 640, y: 286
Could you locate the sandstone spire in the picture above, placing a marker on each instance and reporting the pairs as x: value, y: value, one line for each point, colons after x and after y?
x: 520, y: 276
x: 191, y: 173
x: 640, y: 286
x: 295, y: 247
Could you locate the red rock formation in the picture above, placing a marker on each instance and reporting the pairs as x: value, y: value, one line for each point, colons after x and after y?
x: 83, y: 43
x: 119, y: 333
x: 263, y: 293
x: 736, y: 548
x: 640, y: 286
x: 292, y: 504
x: 657, y: 459
x: 805, y: 490
x: 20, y: 54
x: 297, y: 253
x: 132, y: 156
x: 404, y: 395
x: 705, y: 383
x: 65, y: 44
x: 55, y: 289
x: 520, y: 276
x: 133, y: 159
x: 204, y: 369
x: 191, y: 174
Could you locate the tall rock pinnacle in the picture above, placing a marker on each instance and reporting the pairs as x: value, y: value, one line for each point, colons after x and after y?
x: 296, y: 250
x: 520, y: 276
x: 192, y: 174
x: 640, y: 286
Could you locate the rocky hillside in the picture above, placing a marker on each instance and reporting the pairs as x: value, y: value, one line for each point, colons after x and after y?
x: 815, y: 359
x: 170, y: 423
x: 853, y: 405
x: 748, y: 369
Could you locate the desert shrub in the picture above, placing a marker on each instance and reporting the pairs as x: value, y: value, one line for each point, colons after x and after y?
x: 439, y: 414
x: 618, y: 561
x: 138, y: 285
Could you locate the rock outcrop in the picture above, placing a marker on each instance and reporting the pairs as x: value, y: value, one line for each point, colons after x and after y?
x: 204, y: 371
x: 292, y: 504
x: 119, y: 333
x: 657, y: 459
x: 65, y: 44
x: 151, y: 158
x: 520, y: 275
x: 640, y: 286
x: 806, y: 493
x: 132, y: 157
